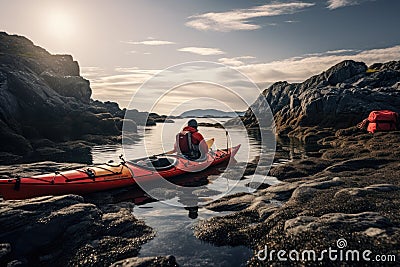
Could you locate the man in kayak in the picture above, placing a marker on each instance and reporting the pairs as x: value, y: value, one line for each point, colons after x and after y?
x: 190, y: 142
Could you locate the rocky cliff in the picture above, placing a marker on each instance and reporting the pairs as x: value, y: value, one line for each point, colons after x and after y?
x: 338, y: 98
x: 44, y: 100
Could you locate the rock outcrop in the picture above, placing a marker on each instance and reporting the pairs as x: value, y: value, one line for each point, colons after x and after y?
x: 44, y: 100
x: 65, y: 230
x: 350, y: 193
x: 338, y: 98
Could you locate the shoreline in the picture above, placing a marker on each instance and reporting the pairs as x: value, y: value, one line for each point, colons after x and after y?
x: 329, y: 195
x: 351, y: 191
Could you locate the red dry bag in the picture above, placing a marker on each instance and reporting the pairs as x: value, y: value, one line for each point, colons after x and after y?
x: 382, y: 120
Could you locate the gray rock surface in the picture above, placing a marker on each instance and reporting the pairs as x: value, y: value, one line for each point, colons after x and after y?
x: 355, y: 197
x: 338, y: 98
x: 62, y: 230
x: 357, y: 222
x: 43, y: 96
x: 167, y: 261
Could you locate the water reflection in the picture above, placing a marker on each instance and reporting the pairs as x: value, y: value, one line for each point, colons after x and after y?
x: 137, y: 196
x: 78, y: 152
x: 174, y: 225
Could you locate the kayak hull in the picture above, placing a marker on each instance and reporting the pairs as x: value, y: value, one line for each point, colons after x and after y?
x: 103, y: 177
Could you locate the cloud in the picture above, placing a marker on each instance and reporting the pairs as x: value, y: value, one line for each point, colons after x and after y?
x: 333, y: 4
x: 239, y: 19
x: 120, y: 85
x: 336, y: 52
x: 123, y: 82
x: 234, y: 61
x: 339, y: 51
x: 91, y: 73
x: 149, y: 42
x: 298, y: 69
x: 204, y: 51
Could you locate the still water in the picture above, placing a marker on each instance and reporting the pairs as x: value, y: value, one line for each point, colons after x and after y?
x: 174, y: 225
x: 161, y: 137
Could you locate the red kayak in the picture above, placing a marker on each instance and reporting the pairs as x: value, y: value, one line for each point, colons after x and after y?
x: 107, y: 176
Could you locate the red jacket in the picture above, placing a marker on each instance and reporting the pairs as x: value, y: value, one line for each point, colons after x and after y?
x: 197, y: 139
x: 196, y: 136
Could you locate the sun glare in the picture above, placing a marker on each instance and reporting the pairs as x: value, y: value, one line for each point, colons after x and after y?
x: 60, y: 25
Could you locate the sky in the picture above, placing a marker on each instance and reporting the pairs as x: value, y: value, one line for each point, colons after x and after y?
x: 121, y: 44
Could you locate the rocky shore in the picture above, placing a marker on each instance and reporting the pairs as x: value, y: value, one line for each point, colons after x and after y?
x: 351, y: 191
x: 338, y: 98
x: 71, y: 230
x: 65, y: 230
x: 346, y: 187
x: 46, y: 110
x: 47, y: 117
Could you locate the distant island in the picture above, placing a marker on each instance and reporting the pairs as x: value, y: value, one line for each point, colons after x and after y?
x: 210, y: 113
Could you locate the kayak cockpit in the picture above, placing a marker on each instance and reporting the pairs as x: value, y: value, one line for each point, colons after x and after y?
x: 156, y: 163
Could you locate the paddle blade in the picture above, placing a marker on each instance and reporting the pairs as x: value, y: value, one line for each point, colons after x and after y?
x: 210, y: 142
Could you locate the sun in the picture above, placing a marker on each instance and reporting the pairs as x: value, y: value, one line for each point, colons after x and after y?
x: 60, y: 25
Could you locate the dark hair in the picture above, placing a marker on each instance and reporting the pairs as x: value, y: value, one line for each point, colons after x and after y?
x: 192, y: 123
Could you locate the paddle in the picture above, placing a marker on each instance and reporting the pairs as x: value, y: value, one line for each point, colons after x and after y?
x: 209, y: 143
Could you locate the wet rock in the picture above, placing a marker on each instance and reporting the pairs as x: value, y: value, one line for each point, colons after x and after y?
x: 5, y: 250
x: 65, y: 230
x: 234, y: 202
x: 98, y: 139
x: 303, y: 194
x: 356, y: 164
x: 302, y: 168
x: 109, y: 107
x: 233, y: 229
x: 282, y: 191
x: 43, y: 97
x: 356, y: 222
x: 356, y: 202
x: 227, y: 230
x: 12, y: 142
x: 360, y: 192
x: 338, y: 98
x: 207, y: 124
x: 48, y: 151
x: 347, y: 132
x: 351, y: 192
x: 167, y: 261
x: 9, y: 158
x: 383, y: 187
x: 37, y: 143
x: 69, y: 86
x: 324, y: 183
x: 373, y: 232
x: 30, y: 169
x: 310, y: 135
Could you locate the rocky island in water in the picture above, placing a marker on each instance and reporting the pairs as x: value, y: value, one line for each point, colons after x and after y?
x: 346, y: 187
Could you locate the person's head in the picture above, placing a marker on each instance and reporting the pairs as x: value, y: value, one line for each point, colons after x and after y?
x: 192, y: 123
